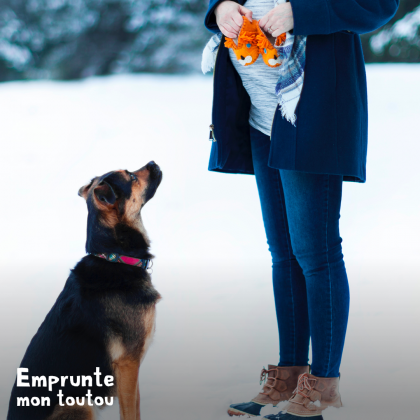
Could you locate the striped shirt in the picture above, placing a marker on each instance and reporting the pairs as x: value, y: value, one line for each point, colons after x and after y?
x: 258, y: 79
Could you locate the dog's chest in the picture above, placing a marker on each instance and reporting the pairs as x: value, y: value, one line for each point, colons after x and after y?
x: 129, y: 327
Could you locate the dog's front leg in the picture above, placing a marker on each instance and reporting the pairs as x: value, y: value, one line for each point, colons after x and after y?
x: 127, y: 375
x: 138, y: 402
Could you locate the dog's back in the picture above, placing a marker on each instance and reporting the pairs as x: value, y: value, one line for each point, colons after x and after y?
x: 100, y: 315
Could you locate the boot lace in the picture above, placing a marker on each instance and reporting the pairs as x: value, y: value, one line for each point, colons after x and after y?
x: 303, y: 384
x: 263, y: 379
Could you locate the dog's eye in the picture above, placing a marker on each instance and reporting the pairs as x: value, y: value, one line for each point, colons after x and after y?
x: 133, y: 177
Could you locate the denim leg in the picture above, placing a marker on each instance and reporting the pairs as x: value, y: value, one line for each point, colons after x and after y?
x: 289, y: 286
x: 313, y: 209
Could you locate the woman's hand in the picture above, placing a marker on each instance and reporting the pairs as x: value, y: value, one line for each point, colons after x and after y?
x: 229, y: 17
x: 278, y: 20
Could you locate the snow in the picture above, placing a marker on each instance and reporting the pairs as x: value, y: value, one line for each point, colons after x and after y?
x: 216, y: 324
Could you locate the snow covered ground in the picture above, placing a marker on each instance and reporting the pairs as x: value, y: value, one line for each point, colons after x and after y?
x: 216, y: 324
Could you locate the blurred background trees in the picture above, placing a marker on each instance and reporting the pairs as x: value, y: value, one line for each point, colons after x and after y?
x: 70, y: 39
x: 398, y: 41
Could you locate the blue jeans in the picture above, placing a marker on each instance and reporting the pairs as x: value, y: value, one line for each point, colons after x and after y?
x: 301, y: 214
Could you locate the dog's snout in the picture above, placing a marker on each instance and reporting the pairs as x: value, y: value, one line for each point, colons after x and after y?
x: 153, y: 168
x: 152, y: 165
x: 154, y: 172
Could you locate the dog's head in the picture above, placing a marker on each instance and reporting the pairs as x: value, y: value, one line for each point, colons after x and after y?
x: 114, y: 202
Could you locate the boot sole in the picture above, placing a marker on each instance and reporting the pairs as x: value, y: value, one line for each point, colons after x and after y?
x: 234, y: 412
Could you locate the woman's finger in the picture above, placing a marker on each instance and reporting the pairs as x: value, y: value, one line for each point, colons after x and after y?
x: 280, y: 18
x: 277, y: 32
x: 245, y: 12
x: 265, y: 19
x: 271, y: 25
x: 237, y: 18
x: 234, y: 25
x: 274, y: 25
x: 266, y: 24
x: 231, y: 29
x: 227, y: 31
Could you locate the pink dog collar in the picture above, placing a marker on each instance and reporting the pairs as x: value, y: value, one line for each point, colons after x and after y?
x: 117, y: 258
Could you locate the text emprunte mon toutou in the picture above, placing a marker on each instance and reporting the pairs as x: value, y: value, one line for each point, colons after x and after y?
x: 75, y: 381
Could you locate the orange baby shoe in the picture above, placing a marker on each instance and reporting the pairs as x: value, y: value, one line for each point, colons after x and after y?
x: 267, y: 49
x: 245, y: 46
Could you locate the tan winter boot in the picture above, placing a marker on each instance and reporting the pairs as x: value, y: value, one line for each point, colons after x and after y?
x: 313, y: 395
x: 279, y: 386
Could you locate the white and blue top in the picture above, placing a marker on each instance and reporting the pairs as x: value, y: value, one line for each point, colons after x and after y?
x: 258, y: 79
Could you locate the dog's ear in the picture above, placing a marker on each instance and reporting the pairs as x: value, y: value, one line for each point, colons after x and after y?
x: 105, y: 194
x: 84, y: 190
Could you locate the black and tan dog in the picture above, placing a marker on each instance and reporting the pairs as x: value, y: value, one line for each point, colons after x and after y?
x: 104, y: 317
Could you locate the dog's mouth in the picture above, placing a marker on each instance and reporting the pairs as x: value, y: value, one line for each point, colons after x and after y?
x: 155, y: 173
x: 155, y: 178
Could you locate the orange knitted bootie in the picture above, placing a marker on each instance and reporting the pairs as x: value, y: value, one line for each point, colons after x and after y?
x: 267, y: 49
x: 245, y: 46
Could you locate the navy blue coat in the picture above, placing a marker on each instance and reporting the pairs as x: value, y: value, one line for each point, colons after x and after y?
x: 330, y: 136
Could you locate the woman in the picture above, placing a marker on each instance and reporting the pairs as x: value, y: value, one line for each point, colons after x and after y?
x: 300, y: 162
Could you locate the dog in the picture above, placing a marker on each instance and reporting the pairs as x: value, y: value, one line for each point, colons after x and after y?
x: 104, y: 318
